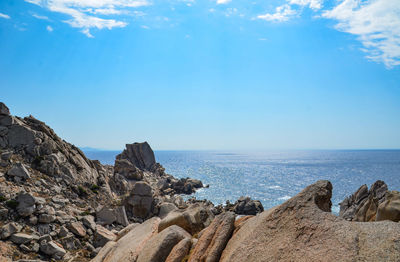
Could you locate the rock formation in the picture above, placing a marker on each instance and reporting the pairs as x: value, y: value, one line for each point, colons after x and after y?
x: 303, y: 229
x: 363, y: 204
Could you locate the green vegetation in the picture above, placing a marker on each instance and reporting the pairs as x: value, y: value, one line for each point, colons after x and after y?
x: 94, y: 188
x: 2, y: 199
x: 82, y: 191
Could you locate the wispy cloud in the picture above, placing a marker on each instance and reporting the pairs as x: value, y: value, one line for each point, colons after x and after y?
x: 49, y: 28
x: 41, y: 17
x: 375, y: 23
x: 85, y: 13
x: 221, y: 2
x: 4, y: 16
x: 282, y: 13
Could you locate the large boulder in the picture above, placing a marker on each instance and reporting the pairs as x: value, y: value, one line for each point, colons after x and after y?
x: 390, y: 208
x: 193, y: 219
x: 160, y: 245
x: 26, y: 204
x: 140, y: 201
x: 102, y: 236
x: 19, y: 170
x: 303, y: 229
x: 140, y: 155
x: 180, y: 251
x: 214, y: 239
x: 128, y: 247
x: 362, y: 205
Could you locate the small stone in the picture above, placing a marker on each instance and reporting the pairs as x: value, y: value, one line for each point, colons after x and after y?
x: 33, y: 220
x: 63, y: 232
x: 9, y: 229
x: 35, y: 247
x: 19, y: 170
x: 77, y: 228
x: 24, y: 248
x: 102, y: 236
x: 53, y: 249
x: 46, y: 218
x: 21, y: 238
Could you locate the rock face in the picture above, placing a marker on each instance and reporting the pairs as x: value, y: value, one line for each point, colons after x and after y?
x: 390, y: 208
x: 128, y: 248
x: 160, y: 245
x: 193, y: 219
x: 39, y: 145
x: 179, y: 252
x: 214, y: 239
x: 363, y: 204
x: 303, y: 229
x: 140, y: 201
x: 140, y: 155
x: 4, y: 109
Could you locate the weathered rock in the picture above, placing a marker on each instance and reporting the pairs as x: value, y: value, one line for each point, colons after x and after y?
x: 9, y: 229
x: 4, y: 109
x: 193, y: 219
x: 139, y: 154
x: 140, y: 201
x: 77, y: 228
x: 102, y: 236
x: 160, y: 245
x: 127, y: 169
x: 165, y: 209
x: 214, y: 239
x: 88, y: 221
x: 390, y: 208
x: 303, y: 229
x: 21, y: 238
x: 26, y: 204
x: 19, y: 170
x: 356, y: 206
x: 121, y: 217
x: 46, y: 218
x: 53, y: 249
x: 128, y: 248
x: 106, y: 216
x: 180, y: 250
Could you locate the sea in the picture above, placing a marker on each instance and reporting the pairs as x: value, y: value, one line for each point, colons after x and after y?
x: 275, y: 176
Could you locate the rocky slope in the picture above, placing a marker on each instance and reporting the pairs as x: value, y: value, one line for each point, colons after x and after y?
x: 56, y: 204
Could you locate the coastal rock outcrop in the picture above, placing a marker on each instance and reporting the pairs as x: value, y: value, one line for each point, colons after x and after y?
x: 363, y: 204
x: 390, y: 208
x: 243, y: 206
x: 140, y: 155
x: 303, y: 229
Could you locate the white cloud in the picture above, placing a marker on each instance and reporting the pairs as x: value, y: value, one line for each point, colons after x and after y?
x: 84, y: 13
x: 41, y: 17
x: 376, y: 23
x: 313, y: 4
x: 4, y: 16
x: 49, y: 28
x: 282, y: 13
x: 222, y: 2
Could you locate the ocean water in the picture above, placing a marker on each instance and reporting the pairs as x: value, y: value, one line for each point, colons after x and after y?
x: 273, y: 177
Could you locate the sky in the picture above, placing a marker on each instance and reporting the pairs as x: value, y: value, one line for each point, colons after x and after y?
x: 206, y: 74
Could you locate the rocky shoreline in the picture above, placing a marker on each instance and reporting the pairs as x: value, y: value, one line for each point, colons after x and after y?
x: 56, y: 204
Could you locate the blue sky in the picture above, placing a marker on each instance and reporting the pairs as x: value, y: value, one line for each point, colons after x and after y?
x: 228, y: 75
